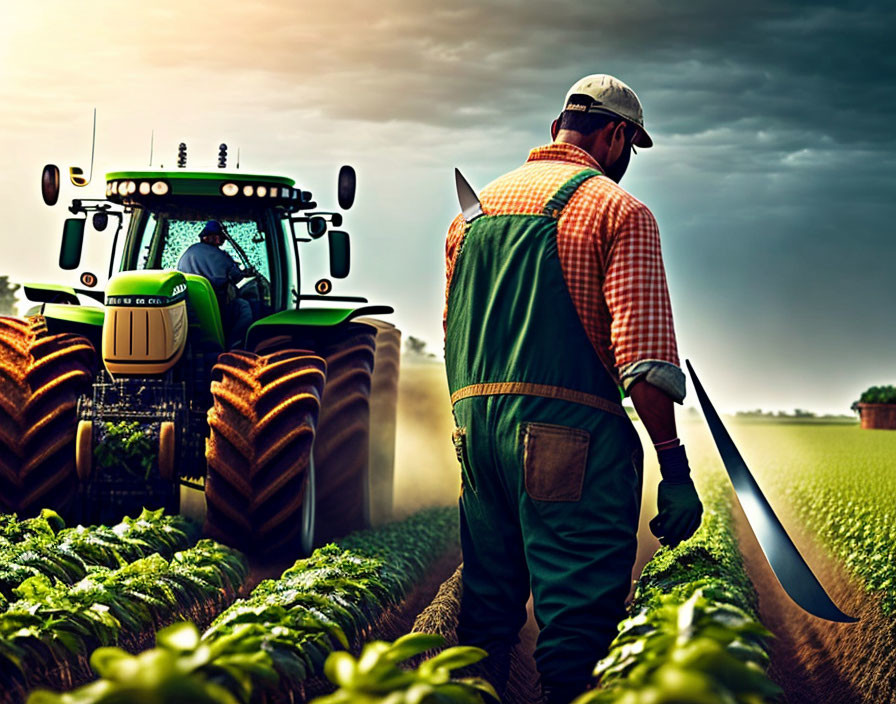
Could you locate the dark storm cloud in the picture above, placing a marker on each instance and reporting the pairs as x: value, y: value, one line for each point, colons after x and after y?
x: 820, y: 68
x: 772, y: 177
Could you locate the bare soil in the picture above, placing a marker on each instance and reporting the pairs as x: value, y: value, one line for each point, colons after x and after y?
x: 816, y: 661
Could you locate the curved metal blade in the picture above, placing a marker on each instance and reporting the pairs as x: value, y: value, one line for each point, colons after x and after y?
x: 788, y: 565
x: 469, y: 201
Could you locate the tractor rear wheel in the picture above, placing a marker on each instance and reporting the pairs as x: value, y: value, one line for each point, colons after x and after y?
x: 383, y: 419
x: 41, y: 377
x: 262, y: 429
x: 342, y: 446
x: 354, y: 449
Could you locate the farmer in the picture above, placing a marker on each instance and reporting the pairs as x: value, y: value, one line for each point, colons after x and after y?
x: 556, y: 303
x: 207, y: 259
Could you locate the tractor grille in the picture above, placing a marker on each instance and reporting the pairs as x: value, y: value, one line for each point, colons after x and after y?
x: 143, y: 340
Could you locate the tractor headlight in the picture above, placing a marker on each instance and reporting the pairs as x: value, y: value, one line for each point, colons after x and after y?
x: 230, y: 189
x: 130, y: 188
x: 261, y: 191
x: 111, y: 188
x: 248, y: 190
x: 144, y: 188
x: 160, y: 188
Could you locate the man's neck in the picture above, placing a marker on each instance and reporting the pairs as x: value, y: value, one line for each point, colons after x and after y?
x: 583, y: 142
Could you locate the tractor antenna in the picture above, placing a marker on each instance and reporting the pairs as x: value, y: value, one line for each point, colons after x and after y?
x: 152, y: 141
x: 237, y: 157
x: 75, y: 173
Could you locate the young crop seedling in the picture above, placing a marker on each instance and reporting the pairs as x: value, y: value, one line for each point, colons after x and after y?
x: 376, y: 677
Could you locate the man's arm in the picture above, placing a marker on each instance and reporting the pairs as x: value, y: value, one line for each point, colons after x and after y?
x: 641, y: 331
x: 643, y: 339
x: 452, y: 244
x: 232, y: 271
x: 655, y: 409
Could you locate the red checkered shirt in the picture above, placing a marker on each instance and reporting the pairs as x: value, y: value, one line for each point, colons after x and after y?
x: 609, y: 248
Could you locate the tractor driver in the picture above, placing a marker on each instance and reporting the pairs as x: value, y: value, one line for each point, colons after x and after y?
x: 207, y: 259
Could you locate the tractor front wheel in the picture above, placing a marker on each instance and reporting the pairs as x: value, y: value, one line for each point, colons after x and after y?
x: 262, y: 429
x: 41, y: 377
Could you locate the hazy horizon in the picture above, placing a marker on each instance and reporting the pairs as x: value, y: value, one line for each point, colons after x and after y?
x: 771, y: 179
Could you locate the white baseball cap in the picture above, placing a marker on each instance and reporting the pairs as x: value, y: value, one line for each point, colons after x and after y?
x: 602, y: 93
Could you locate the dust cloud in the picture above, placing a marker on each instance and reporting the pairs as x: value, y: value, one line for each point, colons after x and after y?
x: 426, y: 469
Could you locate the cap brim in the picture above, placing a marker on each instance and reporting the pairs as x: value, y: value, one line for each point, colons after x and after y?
x: 643, y: 139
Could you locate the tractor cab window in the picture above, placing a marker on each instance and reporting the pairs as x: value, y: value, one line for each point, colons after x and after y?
x: 245, y: 243
x: 144, y: 255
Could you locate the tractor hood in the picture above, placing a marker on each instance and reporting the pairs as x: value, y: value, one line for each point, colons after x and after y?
x: 152, y: 287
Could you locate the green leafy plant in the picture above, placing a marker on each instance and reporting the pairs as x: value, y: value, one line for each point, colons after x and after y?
x: 125, y: 446
x: 334, y: 597
x: 702, y: 651
x: 43, y: 546
x: 51, y: 624
x: 181, y: 668
x: 45, y: 525
x: 876, y: 394
x: 693, y: 635
x: 375, y: 676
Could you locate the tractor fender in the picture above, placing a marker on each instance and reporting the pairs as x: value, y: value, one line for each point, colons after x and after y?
x: 50, y: 293
x: 81, y: 320
x: 284, y: 322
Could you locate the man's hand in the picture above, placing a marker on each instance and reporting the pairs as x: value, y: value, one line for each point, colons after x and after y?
x: 680, y: 510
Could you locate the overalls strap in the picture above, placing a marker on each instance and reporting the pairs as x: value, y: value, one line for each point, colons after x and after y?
x: 558, y: 201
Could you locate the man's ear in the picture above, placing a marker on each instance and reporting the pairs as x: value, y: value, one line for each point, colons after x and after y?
x: 619, y: 130
x: 555, y: 128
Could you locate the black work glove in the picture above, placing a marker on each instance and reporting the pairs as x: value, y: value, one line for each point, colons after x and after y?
x: 680, y: 510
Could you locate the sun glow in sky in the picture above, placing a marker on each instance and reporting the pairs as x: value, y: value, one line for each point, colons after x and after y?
x: 771, y: 179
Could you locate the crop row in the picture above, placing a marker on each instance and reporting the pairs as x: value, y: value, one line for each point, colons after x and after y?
x: 266, y: 646
x: 836, y: 484
x: 47, y: 632
x: 693, y: 634
x: 841, y: 484
x: 43, y: 546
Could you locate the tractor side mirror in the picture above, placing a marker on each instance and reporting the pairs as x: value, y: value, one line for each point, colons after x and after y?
x: 340, y: 254
x: 72, y: 241
x: 346, y: 189
x: 49, y: 184
x: 317, y: 226
x: 100, y: 221
x: 76, y: 176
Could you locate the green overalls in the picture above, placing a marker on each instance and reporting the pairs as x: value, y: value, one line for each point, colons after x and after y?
x: 551, y: 464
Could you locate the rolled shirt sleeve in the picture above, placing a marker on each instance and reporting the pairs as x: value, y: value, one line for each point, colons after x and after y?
x: 642, y: 333
x: 666, y: 377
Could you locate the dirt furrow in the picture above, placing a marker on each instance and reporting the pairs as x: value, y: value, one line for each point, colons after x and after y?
x: 813, y: 660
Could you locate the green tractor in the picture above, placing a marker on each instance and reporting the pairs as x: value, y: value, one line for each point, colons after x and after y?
x: 286, y: 436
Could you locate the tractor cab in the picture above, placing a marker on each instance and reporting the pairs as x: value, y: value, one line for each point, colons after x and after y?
x: 159, y: 215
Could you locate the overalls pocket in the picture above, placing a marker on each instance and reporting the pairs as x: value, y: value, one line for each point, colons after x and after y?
x: 459, y: 437
x: 555, y: 458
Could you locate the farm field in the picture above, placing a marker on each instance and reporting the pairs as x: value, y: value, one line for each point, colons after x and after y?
x: 834, y: 488
x: 701, y: 616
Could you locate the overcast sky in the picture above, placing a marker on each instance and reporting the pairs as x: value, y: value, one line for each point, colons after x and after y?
x: 772, y: 178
